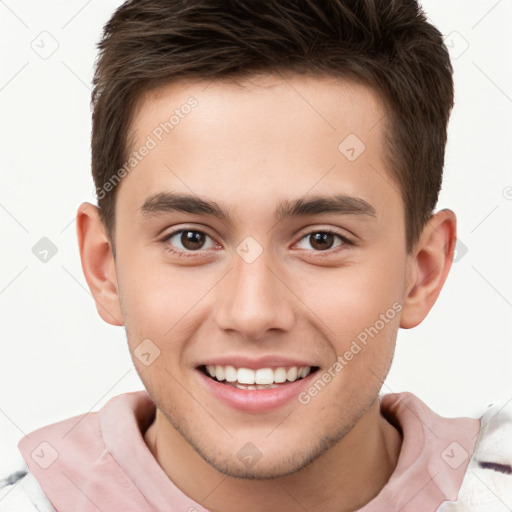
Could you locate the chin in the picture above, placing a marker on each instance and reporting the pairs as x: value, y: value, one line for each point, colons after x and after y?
x: 260, y: 469
x: 252, y: 464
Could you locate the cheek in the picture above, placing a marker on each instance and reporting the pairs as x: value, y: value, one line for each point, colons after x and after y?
x: 165, y: 305
x: 353, y: 299
x: 156, y: 297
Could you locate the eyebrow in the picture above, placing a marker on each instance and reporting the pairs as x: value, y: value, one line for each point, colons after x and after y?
x: 166, y: 202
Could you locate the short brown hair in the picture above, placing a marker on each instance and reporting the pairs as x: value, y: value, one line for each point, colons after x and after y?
x: 387, y: 44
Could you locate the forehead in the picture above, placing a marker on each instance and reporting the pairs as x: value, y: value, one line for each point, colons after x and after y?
x: 287, y: 133
x: 330, y: 103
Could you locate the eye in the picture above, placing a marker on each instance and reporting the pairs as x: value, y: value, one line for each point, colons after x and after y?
x: 187, y: 240
x: 322, y: 241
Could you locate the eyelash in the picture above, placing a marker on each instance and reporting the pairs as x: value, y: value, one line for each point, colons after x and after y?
x: 178, y: 252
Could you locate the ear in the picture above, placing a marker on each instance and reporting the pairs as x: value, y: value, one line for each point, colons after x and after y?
x: 430, y: 263
x: 98, y: 263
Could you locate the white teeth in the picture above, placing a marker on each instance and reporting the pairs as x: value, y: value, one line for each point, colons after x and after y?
x: 219, y: 372
x: 257, y: 379
x: 245, y: 376
x: 230, y: 373
x: 292, y: 373
x: 304, y: 372
x: 264, y: 376
x: 256, y: 386
x: 280, y: 375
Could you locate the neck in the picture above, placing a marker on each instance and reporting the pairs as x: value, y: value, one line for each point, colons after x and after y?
x: 345, y: 478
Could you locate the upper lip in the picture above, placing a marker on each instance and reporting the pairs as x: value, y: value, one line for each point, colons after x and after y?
x: 255, y: 363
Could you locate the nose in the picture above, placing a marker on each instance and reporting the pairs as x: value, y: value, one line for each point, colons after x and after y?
x: 254, y: 299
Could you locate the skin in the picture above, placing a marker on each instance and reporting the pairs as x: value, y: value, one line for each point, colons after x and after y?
x: 248, y: 146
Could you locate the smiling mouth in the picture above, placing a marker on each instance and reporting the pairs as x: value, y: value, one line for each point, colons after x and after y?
x: 262, y: 378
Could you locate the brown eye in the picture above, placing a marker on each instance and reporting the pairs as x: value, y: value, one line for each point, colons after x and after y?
x: 188, y: 240
x: 192, y: 240
x: 321, y: 241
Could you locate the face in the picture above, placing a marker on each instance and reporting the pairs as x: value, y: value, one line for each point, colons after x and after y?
x: 261, y: 240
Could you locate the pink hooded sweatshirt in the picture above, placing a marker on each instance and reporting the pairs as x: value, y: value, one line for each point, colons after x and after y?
x: 99, y: 461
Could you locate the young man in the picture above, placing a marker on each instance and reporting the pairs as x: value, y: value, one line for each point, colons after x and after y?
x: 267, y: 174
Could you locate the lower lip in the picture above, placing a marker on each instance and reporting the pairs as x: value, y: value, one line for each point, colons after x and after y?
x: 257, y: 400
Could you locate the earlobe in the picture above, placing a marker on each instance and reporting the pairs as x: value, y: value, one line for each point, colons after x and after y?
x: 98, y: 263
x: 430, y: 263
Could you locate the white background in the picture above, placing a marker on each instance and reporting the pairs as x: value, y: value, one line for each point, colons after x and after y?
x: 59, y: 359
